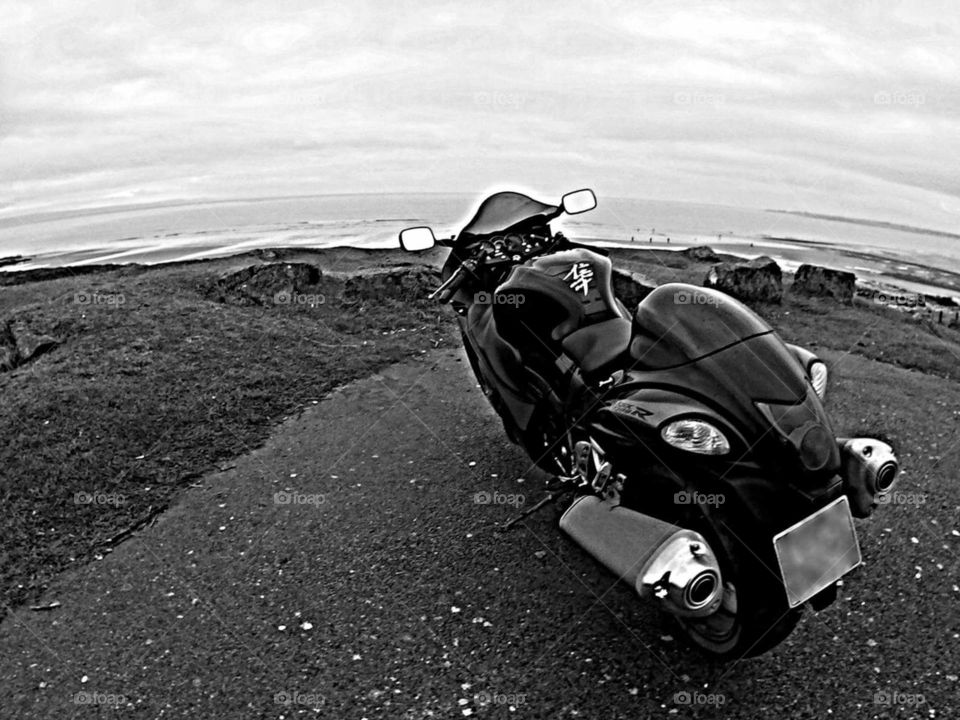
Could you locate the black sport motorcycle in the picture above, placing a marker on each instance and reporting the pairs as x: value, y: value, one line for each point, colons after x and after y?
x: 690, y: 441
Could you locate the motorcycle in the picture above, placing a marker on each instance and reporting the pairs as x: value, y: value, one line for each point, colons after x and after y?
x: 689, y: 441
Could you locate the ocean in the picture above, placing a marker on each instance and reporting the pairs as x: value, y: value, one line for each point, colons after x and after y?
x: 178, y: 231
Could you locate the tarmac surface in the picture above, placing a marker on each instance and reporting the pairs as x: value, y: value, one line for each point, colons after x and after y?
x: 350, y: 568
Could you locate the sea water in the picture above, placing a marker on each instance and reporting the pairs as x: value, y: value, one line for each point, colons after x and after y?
x: 190, y: 230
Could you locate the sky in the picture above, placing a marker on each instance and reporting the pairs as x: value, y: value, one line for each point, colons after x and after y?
x: 848, y: 108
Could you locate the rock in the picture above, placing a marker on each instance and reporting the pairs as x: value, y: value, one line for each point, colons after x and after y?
x: 270, y: 284
x: 941, y: 300
x: 19, y: 344
x: 8, y: 358
x: 703, y: 253
x: 759, y: 279
x: 631, y: 287
x: 398, y: 283
x: 29, y: 345
x: 825, y: 282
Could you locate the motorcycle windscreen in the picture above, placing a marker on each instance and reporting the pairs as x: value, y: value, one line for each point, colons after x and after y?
x: 502, y: 211
x: 679, y: 323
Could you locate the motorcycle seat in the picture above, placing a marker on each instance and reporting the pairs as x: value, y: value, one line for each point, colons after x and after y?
x: 597, y: 349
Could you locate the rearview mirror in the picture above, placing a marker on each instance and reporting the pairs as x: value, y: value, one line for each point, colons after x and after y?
x: 578, y: 201
x: 417, y: 239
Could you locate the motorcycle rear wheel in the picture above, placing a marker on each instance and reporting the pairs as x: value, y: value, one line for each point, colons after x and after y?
x: 754, y: 616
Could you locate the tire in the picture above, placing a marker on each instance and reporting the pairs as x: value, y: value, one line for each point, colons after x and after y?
x: 754, y: 616
x: 755, y: 601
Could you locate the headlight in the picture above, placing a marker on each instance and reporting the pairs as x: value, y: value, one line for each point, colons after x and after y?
x: 696, y: 436
x: 818, y: 378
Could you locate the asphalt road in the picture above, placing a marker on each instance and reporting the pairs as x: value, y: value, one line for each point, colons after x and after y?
x: 345, y: 570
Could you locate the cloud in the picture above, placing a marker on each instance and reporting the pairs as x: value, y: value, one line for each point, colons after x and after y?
x: 843, y: 108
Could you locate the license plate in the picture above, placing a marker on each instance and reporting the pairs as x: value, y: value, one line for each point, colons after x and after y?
x: 817, y: 551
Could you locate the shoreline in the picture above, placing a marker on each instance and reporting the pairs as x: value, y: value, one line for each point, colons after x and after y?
x: 875, y: 272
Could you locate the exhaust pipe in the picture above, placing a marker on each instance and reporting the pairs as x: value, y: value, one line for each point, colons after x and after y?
x: 657, y: 558
x: 869, y: 472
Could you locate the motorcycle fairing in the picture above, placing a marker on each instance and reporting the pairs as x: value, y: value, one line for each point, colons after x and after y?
x: 756, y: 386
x: 679, y: 323
x: 505, y: 211
x: 501, y: 361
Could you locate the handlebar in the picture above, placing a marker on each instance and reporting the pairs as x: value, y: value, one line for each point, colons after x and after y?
x: 490, y: 257
x: 453, y: 283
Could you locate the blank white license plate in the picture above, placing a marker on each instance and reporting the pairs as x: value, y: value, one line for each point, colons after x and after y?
x: 817, y: 551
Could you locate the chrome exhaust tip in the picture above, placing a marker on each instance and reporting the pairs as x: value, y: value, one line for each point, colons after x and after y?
x: 870, y: 471
x: 887, y: 476
x: 660, y: 560
x: 684, y: 575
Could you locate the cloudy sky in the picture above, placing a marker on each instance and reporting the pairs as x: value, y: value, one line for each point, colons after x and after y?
x: 849, y: 108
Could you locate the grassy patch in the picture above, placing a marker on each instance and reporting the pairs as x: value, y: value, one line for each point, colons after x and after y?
x: 873, y: 331
x: 154, y: 385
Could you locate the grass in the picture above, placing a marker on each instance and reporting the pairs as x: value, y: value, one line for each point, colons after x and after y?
x: 146, y: 395
x: 870, y: 330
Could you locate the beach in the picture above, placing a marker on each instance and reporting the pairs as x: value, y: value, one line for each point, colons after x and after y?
x: 912, y: 260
